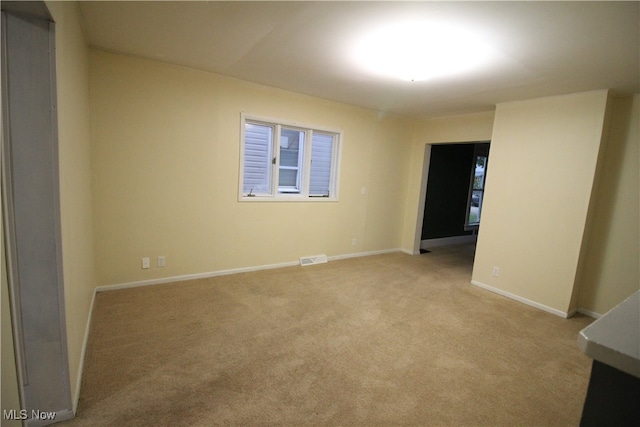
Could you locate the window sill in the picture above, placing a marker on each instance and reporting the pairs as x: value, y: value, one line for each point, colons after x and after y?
x: 285, y: 198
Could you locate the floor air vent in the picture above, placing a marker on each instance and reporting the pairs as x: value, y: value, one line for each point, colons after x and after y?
x: 310, y: 260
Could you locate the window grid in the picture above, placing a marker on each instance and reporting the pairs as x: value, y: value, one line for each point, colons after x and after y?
x: 284, y: 161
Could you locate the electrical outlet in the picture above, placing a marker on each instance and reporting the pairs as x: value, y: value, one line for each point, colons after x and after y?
x: 146, y: 263
x: 161, y: 261
x: 354, y: 241
x: 496, y: 271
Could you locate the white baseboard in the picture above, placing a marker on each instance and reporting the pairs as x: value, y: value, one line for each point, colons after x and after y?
x: 83, y: 352
x: 185, y: 277
x: 446, y: 241
x: 589, y: 313
x: 206, y: 275
x: 409, y: 252
x: 522, y: 300
x: 571, y: 313
x: 361, y: 254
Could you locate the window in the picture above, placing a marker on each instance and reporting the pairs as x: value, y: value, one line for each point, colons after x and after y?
x: 476, y: 190
x: 291, y: 150
x: 282, y: 161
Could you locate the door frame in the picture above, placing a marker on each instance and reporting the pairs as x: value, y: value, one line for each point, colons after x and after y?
x: 426, y: 164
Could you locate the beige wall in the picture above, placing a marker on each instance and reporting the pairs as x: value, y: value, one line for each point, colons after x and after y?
x: 541, y: 172
x: 165, y: 156
x: 611, y: 269
x: 72, y: 68
x: 466, y: 128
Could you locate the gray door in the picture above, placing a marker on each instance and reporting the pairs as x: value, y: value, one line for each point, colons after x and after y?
x: 32, y: 215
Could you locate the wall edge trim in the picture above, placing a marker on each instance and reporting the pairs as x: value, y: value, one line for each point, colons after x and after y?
x: 589, y: 313
x: 83, y: 352
x: 522, y: 300
x: 369, y: 253
x: 227, y: 272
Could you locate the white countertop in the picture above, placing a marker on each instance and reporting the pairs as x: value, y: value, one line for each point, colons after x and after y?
x: 614, y: 339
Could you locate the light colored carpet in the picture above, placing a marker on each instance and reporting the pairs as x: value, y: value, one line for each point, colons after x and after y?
x: 374, y: 341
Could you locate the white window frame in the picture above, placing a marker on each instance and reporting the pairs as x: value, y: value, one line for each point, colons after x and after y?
x: 303, y: 195
x: 478, y: 151
x: 302, y: 153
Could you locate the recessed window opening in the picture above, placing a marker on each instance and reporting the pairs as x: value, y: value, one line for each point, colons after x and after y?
x: 285, y: 161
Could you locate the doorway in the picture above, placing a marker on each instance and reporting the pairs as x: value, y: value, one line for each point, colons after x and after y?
x: 452, y: 192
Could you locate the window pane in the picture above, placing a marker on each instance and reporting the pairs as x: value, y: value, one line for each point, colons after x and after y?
x: 257, y: 159
x: 478, y: 180
x: 476, y: 206
x: 291, y: 148
x: 321, y: 156
x: 288, y: 178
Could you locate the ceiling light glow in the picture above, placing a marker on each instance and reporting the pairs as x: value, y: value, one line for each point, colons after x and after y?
x: 420, y: 50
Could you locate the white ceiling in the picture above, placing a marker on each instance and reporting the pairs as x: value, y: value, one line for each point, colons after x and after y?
x: 544, y: 48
